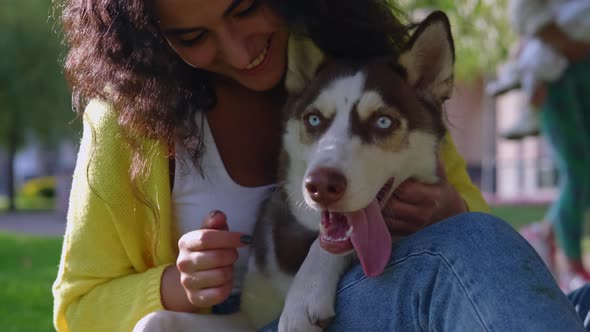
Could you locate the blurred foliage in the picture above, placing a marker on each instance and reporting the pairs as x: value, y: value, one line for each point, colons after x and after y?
x: 481, y: 31
x: 520, y: 215
x: 33, y: 93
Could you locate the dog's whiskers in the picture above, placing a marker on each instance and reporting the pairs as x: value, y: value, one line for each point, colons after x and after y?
x: 290, y: 194
x: 280, y: 184
x: 300, y: 204
x: 303, y: 205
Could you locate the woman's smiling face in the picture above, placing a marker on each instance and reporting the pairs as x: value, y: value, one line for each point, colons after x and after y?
x: 239, y: 39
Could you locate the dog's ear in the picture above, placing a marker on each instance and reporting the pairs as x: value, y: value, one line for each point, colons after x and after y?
x: 429, y: 57
x: 303, y: 61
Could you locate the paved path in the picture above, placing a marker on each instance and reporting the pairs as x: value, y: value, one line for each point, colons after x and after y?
x: 33, y: 223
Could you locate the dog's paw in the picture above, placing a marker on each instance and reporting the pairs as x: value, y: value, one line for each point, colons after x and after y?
x: 309, y: 314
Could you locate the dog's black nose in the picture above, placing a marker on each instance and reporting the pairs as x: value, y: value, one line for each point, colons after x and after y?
x: 325, y: 185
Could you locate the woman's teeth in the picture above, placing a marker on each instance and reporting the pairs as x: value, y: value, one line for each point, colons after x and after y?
x: 258, y: 60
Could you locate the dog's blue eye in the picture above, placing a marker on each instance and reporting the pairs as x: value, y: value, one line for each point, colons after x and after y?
x: 314, y: 120
x: 384, y: 122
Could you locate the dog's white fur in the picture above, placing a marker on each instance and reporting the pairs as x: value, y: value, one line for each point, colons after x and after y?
x: 310, y: 294
x: 337, y: 150
x: 310, y: 300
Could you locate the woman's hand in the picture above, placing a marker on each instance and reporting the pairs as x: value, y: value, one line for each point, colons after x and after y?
x: 415, y: 205
x: 204, y: 268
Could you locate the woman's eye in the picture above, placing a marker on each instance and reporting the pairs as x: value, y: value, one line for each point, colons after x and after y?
x: 314, y: 120
x: 248, y: 8
x: 384, y: 122
x: 192, y: 38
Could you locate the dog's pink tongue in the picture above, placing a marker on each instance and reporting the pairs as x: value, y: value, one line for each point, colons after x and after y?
x: 370, y: 238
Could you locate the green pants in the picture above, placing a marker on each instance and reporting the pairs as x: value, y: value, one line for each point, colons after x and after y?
x: 565, y: 122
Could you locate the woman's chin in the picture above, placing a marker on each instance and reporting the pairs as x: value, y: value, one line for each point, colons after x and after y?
x: 264, y: 80
x: 260, y: 86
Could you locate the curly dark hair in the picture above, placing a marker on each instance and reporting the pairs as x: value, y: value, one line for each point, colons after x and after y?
x: 117, y: 53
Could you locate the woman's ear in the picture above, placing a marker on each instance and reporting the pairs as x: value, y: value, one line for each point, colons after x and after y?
x: 303, y: 61
x: 429, y: 58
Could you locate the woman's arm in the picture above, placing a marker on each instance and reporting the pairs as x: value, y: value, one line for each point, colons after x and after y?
x: 108, y: 277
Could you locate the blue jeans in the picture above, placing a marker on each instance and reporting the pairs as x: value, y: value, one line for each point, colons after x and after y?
x: 472, y: 272
x: 581, y: 301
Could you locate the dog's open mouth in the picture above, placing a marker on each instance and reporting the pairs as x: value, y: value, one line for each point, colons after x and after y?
x: 335, y: 232
x: 364, y: 231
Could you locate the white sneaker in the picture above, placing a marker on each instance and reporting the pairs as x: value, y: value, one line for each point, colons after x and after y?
x: 527, y: 124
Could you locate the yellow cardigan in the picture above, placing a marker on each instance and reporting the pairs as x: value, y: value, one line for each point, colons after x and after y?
x: 112, y: 260
x: 116, y: 247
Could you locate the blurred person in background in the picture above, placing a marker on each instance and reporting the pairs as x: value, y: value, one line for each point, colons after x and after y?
x: 553, y: 70
x: 535, y: 63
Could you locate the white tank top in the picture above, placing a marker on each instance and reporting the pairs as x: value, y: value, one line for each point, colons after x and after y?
x: 195, y: 195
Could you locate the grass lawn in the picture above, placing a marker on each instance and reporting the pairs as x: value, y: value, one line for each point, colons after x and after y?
x: 519, y: 215
x: 29, y: 266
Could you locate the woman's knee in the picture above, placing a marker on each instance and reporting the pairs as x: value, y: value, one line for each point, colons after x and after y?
x: 465, y: 237
x: 153, y: 322
x: 470, y: 241
x: 469, y: 237
x: 169, y: 321
x: 469, y: 228
x: 474, y: 221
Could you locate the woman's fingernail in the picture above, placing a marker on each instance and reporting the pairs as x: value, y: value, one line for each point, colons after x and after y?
x: 246, y: 239
x: 213, y: 213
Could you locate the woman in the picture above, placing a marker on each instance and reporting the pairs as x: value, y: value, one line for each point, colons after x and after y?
x: 149, y: 68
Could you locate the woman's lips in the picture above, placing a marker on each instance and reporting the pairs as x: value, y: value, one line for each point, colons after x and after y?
x: 260, y: 61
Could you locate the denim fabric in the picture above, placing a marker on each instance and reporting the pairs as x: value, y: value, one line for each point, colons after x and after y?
x: 581, y: 301
x: 472, y: 272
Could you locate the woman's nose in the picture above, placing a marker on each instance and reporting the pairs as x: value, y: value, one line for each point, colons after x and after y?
x: 234, y: 47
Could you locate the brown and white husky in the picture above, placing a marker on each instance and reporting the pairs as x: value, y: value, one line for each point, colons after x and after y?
x: 353, y: 133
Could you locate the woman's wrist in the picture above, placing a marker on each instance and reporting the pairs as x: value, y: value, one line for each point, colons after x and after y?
x: 172, y: 293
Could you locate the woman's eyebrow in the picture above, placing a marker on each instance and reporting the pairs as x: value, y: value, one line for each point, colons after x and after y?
x: 181, y: 31
x: 234, y: 4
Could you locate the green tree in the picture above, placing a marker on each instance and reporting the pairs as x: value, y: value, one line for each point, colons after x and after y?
x: 33, y: 93
x: 481, y: 30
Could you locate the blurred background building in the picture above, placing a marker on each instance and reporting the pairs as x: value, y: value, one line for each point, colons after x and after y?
x: 507, y: 171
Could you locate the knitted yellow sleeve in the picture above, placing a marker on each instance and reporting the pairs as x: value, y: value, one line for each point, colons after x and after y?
x: 108, y: 277
x: 456, y: 171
